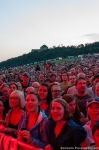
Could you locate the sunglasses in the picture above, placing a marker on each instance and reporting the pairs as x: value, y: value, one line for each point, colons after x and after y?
x: 93, y: 99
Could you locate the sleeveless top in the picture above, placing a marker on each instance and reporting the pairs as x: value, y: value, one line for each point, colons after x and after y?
x: 10, y: 125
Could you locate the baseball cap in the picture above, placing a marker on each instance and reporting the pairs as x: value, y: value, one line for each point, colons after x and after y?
x: 92, y: 100
x: 26, y: 74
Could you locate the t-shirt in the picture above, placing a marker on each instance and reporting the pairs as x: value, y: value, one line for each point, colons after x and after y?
x: 81, y: 100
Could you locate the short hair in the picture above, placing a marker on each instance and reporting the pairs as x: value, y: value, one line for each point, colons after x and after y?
x: 53, y: 75
x: 36, y: 83
x: 21, y: 97
x: 80, y: 78
x: 95, y: 127
x: 66, y: 109
x: 36, y: 94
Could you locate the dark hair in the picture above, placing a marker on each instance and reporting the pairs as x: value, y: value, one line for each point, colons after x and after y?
x: 49, y: 95
x: 14, y: 84
x: 80, y: 78
x: 53, y: 75
x: 4, y: 111
x: 95, y: 76
x: 95, y: 127
x: 48, y: 80
x: 69, y: 98
x: 66, y: 109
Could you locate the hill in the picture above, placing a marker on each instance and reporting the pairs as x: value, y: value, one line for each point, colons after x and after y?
x: 51, y: 53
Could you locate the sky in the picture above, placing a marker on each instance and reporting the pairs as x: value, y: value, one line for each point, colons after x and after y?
x: 29, y: 24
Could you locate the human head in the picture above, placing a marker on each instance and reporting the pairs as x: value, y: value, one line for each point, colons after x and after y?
x: 72, y: 79
x: 73, y: 71
x: 13, y: 86
x: 95, y: 79
x: 2, y: 108
x: 53, y: 77
x: 95, y: 133
x: 97, y: 89
x: 56, y: 91
x: 80, y: 85
x: 64, y: 105
x: 64, y: 76
x: 19, y: 84
x: 72, y: 104
x: 32, y: 102
x: 18, y: 95
x: 26, y: 77
x: 36, y: 85
x: 29, y: 89
x: 92, y: 106
x: 5, y: 91
x: 45, y: 93
x: 81, y: 75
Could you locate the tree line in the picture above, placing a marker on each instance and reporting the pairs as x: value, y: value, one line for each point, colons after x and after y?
x: 51, y: 53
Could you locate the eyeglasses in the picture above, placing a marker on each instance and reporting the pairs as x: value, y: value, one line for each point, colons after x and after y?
x: 57, y: 91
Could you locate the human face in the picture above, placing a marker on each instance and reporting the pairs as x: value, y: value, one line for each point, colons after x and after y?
x: 53, y: 78
x: 32, y: 103
x: 96, y: 81
x: 12, y: 88
x: 59, y: 79
x: 25, y: 79
x: 93, y: 111
x: 64, y: 77
x: 72, y: 71
x: 72, y: 80
x: 81, y: 85
x: 14, y: 100
x: 42, y: 92
x: 1, y: 107
x: 72, y: 106
x: 97, y: 90
x: 36, y: 87
x: 5, y: 92
x: 19, y: 86
x: 41, y: 77
x: 91, y: 74
x: 96, y: 137
x: 56, y: 92
x: 57, y: 111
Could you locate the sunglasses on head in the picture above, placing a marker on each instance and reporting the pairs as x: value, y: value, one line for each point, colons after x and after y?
x: 93, y: 99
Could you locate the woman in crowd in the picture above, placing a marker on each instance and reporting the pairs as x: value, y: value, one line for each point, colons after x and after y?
x: 76, y: 115
x: 12, y: 87
x: 93, y: 115
x: 17, y: 103
x: 32, y: 123
x: 45, y: 96
x: 19, y: 84
x: 2, y: 110
x: 63, y: 132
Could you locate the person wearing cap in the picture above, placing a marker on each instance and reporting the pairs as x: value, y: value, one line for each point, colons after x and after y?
x: 92, y: 106
x: 25, y: 80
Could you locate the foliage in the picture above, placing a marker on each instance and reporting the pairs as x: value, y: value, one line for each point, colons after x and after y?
x: 51, y: 53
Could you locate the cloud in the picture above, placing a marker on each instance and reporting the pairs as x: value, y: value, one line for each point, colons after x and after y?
x: 92, y: 36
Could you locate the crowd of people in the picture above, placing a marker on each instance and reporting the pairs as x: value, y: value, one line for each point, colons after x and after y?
x: 52, y: 106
